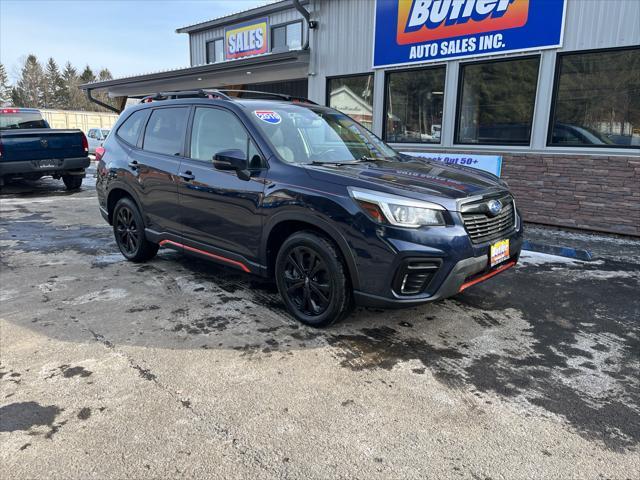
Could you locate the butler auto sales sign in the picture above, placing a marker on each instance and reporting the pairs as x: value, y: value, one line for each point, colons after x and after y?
x: 419, y: 31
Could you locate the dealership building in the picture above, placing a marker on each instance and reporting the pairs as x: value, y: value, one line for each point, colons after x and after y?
x: 544, y: 92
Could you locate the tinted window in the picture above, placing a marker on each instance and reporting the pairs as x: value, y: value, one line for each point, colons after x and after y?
x: 286, y: 37
x: 13, y: 118
x: 353, y: 96
x: 216, y: 130
x: 130, y: 130
x: 414, y: 106
x: 497, y: 101
x: 597, y: 100
x: 165, y: 131
x: 215, y: 51
x: 279, y: 38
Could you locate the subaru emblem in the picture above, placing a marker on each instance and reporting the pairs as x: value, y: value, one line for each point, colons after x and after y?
x: 494, y: 206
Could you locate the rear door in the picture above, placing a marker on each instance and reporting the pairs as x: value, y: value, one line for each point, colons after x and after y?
x: 219, y: 209
x: 156, y: 167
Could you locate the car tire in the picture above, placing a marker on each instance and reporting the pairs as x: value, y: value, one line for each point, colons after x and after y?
x: 128, y: 230
x: 72, y: 182
x: 312, y: 279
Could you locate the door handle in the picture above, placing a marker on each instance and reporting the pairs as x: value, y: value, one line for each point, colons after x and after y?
x: 187, y: 176
x: 133, y: 164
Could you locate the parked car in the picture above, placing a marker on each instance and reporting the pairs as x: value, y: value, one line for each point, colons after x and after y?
x: 567, y: 134
x: 30, y: 149
x: 96, y: 137
x: 303, y: 194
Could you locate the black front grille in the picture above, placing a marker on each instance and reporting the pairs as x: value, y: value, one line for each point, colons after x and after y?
x: 482, y: 227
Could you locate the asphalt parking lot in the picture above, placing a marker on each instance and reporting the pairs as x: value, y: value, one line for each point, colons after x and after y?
x: 179, y: 368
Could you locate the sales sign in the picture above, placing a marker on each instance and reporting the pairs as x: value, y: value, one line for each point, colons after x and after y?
x: 246, y: 39
x: 419, y: 31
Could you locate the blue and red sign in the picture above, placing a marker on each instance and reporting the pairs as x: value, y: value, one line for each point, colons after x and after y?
x: 418, y: 31
x: 246, y: 39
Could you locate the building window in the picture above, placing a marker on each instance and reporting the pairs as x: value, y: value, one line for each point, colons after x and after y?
x: 353, y: 96
x: 496, y: 101
x: 286, y: 37
x: 215, y: 51
x: 597, y: 99
x: 413, y: 106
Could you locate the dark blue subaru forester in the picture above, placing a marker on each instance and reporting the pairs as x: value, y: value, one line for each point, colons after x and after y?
x: 301, y: 193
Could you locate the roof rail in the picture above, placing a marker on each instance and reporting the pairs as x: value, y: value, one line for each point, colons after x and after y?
x: 222, y: 94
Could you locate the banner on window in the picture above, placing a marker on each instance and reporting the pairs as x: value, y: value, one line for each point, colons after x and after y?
x: 487, y: 163
x: 246, y: 39
x: 418, y: 31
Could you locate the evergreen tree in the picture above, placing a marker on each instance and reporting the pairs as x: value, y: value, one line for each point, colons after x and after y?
x: 29, y: 90
x: 87, y: 76
x: 54, y: 86
x: 71, y: 97
x: 5, y: 89
x: 103, y: 75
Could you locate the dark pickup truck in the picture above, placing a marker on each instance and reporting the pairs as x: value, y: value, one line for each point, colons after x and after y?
x: 30, y: 149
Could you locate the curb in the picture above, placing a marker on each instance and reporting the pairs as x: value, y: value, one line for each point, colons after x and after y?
x: 577, y: 253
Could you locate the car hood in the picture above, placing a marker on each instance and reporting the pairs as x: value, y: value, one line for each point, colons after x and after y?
x: 420, y: 179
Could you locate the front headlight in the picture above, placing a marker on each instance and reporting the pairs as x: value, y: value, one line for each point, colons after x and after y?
x: 396, y: 210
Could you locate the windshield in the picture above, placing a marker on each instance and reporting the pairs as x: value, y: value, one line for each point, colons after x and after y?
x: 105, y: 133
x: 17, y: 119
x: 305, y: 135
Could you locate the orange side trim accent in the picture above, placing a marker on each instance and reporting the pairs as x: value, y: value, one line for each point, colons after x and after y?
x: 493, y: 273
x: 217, y: 257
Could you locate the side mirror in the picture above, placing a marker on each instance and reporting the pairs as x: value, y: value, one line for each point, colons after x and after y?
x: 233, y: 160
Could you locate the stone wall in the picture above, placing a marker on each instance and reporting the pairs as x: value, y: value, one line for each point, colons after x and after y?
x: 598, y: 193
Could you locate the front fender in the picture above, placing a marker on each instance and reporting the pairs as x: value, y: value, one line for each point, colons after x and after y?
x: 318, y: 220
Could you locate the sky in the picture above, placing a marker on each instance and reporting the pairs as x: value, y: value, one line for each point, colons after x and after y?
x: 128, y: 37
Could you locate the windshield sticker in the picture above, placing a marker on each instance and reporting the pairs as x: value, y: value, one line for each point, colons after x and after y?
x: 268, y: 116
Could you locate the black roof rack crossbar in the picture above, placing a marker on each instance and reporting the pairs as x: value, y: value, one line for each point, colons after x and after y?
x: 186, y: 94
x: 223, y: 95
x: 283, y: 96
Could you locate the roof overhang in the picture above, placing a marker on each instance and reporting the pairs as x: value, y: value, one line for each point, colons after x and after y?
x: 272, y: 67
x: 241, y: 16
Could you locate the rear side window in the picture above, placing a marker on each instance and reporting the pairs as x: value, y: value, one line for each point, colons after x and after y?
x: 165, y: 131
x: 130, y: 130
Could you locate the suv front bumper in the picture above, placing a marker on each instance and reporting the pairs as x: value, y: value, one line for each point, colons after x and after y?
x: 460, y: 265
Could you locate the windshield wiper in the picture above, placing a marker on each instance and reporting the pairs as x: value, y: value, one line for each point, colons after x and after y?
x: 366, y: 158
x: 362, y: 159
x: 334, y: 162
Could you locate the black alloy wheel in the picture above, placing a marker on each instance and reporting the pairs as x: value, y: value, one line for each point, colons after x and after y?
x: 128, y: 235
x: 128, y: 229
x: 312, y: 279
x: 307, y: 281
